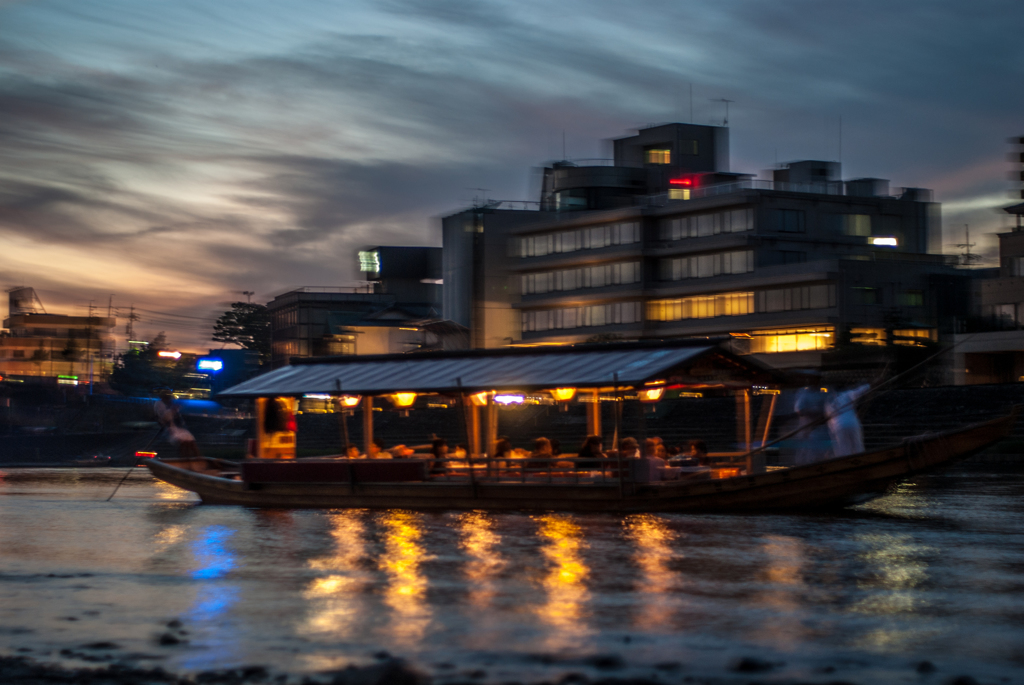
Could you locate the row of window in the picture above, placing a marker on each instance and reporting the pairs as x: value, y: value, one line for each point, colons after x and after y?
x: 737, y: 304
x: 707, y: 265
x: 701, y: 307
x: 787, y: 340
x: 800, y: 297
x: 592, y: 238
x: 580, y: 317
x: 701, y: 225
x: 587, y: 277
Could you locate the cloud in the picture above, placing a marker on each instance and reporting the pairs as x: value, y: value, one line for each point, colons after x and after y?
x: 169, y: 153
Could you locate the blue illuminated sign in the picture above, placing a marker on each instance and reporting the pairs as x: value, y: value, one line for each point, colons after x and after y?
x: 210, y: 364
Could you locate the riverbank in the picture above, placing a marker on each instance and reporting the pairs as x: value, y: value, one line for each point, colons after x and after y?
x: 390, y: 671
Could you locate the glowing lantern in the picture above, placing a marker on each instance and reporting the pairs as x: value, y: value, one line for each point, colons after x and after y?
x: 479, y: 399
x: 403, y: 400
x: 651, y: 394
x: 563, y: 394
x: 349, y: 401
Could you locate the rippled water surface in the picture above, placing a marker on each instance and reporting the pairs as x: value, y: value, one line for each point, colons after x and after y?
x: 934, y: 572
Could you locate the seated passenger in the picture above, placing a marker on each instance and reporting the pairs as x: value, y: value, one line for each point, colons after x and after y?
x: 542, y: 454
x: 592, y: 452
x: 699, y: 451
x: 629, y: 448
x: 502, y: 448
x: 439, y: 449
x: 401, y: 452
x: 377, y: 450
x: 657, y: 468
x: 351, y: 451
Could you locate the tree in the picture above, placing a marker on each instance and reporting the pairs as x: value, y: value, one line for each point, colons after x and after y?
x: 246, y: 325
x: 139, y: 372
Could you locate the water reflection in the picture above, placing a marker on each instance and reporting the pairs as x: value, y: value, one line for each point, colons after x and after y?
x: 783, y: 575
x: 480, y: 542
x: 335, y: 599
x: 652, y: 540
x: 406, y: 590
x: 212, y: 558
x: 565, y: 608
x: 892, y: 589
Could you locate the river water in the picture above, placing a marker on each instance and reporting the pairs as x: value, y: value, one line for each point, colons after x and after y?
x: 932, y: 572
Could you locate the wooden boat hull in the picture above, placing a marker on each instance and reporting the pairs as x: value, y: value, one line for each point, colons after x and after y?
x: 834, y: 483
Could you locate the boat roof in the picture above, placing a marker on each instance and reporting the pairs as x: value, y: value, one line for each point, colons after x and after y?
x: 697, y: 363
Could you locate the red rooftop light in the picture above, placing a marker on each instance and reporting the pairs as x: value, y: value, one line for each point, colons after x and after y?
x: 681, y: 182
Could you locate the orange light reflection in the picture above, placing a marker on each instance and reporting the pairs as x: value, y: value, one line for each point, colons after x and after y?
x: 567, y: 596
x: 335, y: 598
x: 653, y: 542
x: 405, y: 593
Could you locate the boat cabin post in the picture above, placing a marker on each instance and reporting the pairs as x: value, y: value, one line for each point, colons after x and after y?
x: 594, y: 414
x: 367, y: 423
x: 474, y: 431
x: 491, y: 431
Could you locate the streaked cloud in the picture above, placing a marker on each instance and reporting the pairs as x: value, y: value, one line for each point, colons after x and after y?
x: 177, y: 154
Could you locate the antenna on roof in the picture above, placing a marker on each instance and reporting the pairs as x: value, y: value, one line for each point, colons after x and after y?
x: 725, y: 122
x: 968, y: 258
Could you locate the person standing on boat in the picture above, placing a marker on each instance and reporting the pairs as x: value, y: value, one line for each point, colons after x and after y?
x: 843, y: 422
x: 169, y: 418
x: 813, y: 436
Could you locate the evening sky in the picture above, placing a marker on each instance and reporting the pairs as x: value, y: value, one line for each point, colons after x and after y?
x: 176, y: 153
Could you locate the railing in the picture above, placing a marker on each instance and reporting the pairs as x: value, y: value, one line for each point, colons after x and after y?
x: 559, y: 470
x: 829, y: 188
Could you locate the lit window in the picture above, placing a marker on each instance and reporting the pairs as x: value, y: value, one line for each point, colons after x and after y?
x: 369, y: 261
x: 659, y: 155
x: 701, y: 307
x: 914, y: 337
x: 883, y: 241
x: 868, y: 336
x: 678, y: 193
x: 790, y: 340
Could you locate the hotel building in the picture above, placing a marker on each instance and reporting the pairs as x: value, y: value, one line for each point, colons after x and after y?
x: 667, y: 242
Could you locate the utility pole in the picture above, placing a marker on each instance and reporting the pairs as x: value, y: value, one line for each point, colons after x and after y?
x: 88, y: 343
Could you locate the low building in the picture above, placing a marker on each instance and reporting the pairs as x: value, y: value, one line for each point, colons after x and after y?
x: 40, y: 347
x: 397, y: 311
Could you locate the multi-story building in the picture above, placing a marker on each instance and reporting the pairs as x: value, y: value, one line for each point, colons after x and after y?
x: 396, y: 311
x: 991, y: 348
x: 789, y: 265
x: 54, y: 348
